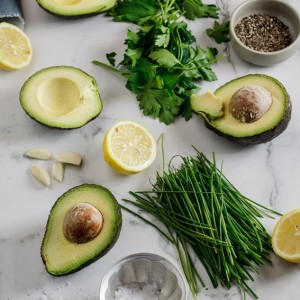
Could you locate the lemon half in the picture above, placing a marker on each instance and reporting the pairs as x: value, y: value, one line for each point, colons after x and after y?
x: 286, y: 236
x: 129, y: 147
x: 15, y: 47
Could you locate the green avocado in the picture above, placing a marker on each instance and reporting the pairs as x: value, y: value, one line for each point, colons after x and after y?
x: 76, y: 8
x: 83, y: 225
x: 255, y: 109
x: 61, y: 97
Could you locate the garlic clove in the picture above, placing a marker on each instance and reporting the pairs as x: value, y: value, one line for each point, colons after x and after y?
x: 58, y: 171
x: 39, y: 153
x: 41, y: 175
x: 69, y: 158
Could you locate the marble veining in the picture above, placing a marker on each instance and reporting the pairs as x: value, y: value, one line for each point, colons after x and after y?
x: 267, y: 173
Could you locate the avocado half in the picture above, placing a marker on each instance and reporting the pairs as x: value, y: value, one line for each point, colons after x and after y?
x: 215, y: 109
x: 62, y: 256
x: 61, y: 97
x: 76, y: 8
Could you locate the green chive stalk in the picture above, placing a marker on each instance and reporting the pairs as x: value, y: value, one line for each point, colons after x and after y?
x: 206, y: 217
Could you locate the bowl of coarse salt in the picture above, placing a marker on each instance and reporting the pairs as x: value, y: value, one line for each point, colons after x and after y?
x: 143, y: 276
x: 265, y: 32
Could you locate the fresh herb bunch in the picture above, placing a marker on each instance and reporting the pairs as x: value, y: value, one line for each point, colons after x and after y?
x: 161, y: 61
x: 134, y: 10
x: 206, y: 216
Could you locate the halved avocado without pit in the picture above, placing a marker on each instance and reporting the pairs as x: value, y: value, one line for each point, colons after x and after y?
x: 76, y: 8
x: 61, y: 97
x: 248, y: 110
x: 83, y: 225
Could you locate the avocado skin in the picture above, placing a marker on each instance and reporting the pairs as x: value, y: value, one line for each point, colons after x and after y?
x: 261, y: 138
x: 53, y: 126
x: 75, y: 16
x: 60, y: 129
x: 95, y: 258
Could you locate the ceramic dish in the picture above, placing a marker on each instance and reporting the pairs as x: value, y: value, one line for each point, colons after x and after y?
x: 276, y: 8
x: 148, y: 275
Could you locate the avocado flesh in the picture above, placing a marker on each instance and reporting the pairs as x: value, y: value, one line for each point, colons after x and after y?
x: 61, y: 97
x: 62, y: 257
x: 76, y: 8
x: 207, y: 105
x: 269, y: 126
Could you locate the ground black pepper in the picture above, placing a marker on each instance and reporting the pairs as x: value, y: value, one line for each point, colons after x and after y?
x: 263, y: 33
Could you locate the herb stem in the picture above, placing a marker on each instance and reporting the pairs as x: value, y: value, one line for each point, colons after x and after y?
x: 110, y: 68
x: 204, y: 213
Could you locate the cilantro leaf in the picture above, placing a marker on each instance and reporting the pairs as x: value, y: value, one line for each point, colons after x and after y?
x: 197, y: 9
x: 164, y: 58
x: 162, y: 39
x: 133, y: 10
x: 111, y: 58
x: 149, y: 103
x: 158, y: 103
x: 133, y: 55
x: 219, y: 32
x: 169, y: 79
x: 161, y: 63
x: 186, y: 109
x: 141, y: 73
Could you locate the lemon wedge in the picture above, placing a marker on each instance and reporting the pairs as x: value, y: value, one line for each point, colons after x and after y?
x: 129, y: 147
x: 286, y: 236
x: 15, y: 47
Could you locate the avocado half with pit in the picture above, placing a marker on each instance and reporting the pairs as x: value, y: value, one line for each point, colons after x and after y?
x: 83, y: 225
x: 248, y: 110
x: 76, y: 8
x: 61, y: 97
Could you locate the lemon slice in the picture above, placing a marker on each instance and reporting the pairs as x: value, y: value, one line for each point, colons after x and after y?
x: 129, y: 147
x: 286, y: 236
x: 15, y: 47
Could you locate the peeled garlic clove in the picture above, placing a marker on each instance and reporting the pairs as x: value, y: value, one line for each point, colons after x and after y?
x: 69, y: 158
x: 39, y: 153
x: 58, y: 171
x: 41, y: 175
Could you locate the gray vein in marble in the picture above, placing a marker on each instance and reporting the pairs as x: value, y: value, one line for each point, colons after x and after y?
x: 270, y: 168
x: 4, y: 240
x: 224, y: 9
x: 90, y: 134
x: 224, y: 13
x: 30, y: 237
x: 134, y: 222
x: 18, y: 157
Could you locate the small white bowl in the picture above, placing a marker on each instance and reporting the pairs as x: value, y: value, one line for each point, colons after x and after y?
x: 143, y: 271
x: 277, y: 8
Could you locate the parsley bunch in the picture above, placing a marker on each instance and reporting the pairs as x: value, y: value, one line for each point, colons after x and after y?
x: 161, y: 61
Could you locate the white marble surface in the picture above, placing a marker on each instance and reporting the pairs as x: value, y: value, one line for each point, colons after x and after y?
x: 267, y: 173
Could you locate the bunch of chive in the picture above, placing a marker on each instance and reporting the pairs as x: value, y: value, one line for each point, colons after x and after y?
x: 206, y: 215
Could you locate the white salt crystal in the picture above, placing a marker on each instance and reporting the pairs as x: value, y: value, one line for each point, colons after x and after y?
x: 139, y: 291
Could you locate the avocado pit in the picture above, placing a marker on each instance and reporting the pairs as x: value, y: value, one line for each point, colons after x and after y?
x: 256, y: 108
x: 250, y: 103
x: 82, y: 223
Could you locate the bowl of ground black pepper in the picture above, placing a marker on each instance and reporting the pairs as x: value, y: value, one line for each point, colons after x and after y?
x: 265, y: 32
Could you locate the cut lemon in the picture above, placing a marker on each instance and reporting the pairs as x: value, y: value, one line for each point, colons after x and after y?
x: 129, y: 147
x: 15, y: 47
x: 286, y: 236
